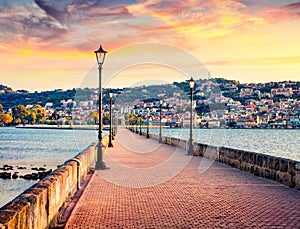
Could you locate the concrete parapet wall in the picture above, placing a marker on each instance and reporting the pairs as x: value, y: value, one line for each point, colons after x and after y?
x: 282, y: 170
x: 39, y: 206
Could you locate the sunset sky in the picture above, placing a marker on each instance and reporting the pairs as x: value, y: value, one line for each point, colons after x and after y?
x: 48, y: 44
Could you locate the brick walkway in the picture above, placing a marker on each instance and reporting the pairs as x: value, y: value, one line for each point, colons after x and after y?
x: 142, y: 189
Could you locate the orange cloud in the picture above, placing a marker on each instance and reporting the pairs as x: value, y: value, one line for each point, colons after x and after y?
x: 221, y: 32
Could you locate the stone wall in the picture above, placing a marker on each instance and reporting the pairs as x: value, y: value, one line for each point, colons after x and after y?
x: 282, y: 170
x: 39, y: 206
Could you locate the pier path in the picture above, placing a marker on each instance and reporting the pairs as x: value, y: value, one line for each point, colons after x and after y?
x: 150, y: 185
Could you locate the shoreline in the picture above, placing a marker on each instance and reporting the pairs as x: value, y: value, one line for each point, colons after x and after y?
x: 106, y: 127
x: 58, y: 127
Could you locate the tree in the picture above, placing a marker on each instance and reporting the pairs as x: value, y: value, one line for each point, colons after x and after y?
x: 202, y: 109
x: 150, y: 100
x: 20, y: 114
x: 140, y: 121
x: 31, y: 117
x: 23, y: 115
x: 68, y: 120
x: 126, y: 116
x: 39, y: 112
x: 93, y: 118
x: 106, y: 119
x: 55, y: 116
x: 132, y: 119
x: 6, y: 119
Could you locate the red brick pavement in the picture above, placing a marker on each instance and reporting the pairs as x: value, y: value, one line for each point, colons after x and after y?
x: 219, y: 197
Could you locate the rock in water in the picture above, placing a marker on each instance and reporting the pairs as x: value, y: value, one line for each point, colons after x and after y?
x: 15, y: 176
x: 5, y: 175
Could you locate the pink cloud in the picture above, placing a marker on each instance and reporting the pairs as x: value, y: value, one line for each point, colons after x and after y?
x: 283, y: 12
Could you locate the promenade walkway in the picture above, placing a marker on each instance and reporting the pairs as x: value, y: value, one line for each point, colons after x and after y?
x: 150, y: 185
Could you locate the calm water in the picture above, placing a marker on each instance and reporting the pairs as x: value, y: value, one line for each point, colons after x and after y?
x: 277, y: 142
x: 40, y: 147
x: 37, y: 148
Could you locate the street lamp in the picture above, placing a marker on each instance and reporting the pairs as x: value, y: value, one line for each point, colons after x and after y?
x: 115, y: 124
x: 191, y: 141
x: 112, y: 125
x: 160, y: 116
x: 111, y: 94
x: 136, y: 124
x: 140, y: 122
x: 148, y: 115
x: 100, y: 56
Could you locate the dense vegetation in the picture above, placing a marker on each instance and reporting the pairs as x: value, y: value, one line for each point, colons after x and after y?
x: 22, y: 115
x: 9, y: 100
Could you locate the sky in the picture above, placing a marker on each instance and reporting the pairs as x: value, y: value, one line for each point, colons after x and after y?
x: 49, y: 44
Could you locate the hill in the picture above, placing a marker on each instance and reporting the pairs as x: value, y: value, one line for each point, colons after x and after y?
x: 203, y: 89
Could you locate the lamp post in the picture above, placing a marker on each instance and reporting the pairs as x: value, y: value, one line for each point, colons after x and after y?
x: 112, y: 125
x: 160, y: 117
x: 140, y: 122
x: 191, y: 141
x: 115, y: 126
x: 136, y: 124
x: 110, y: 119
x: 100, y: 56
x: 148, y: 115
